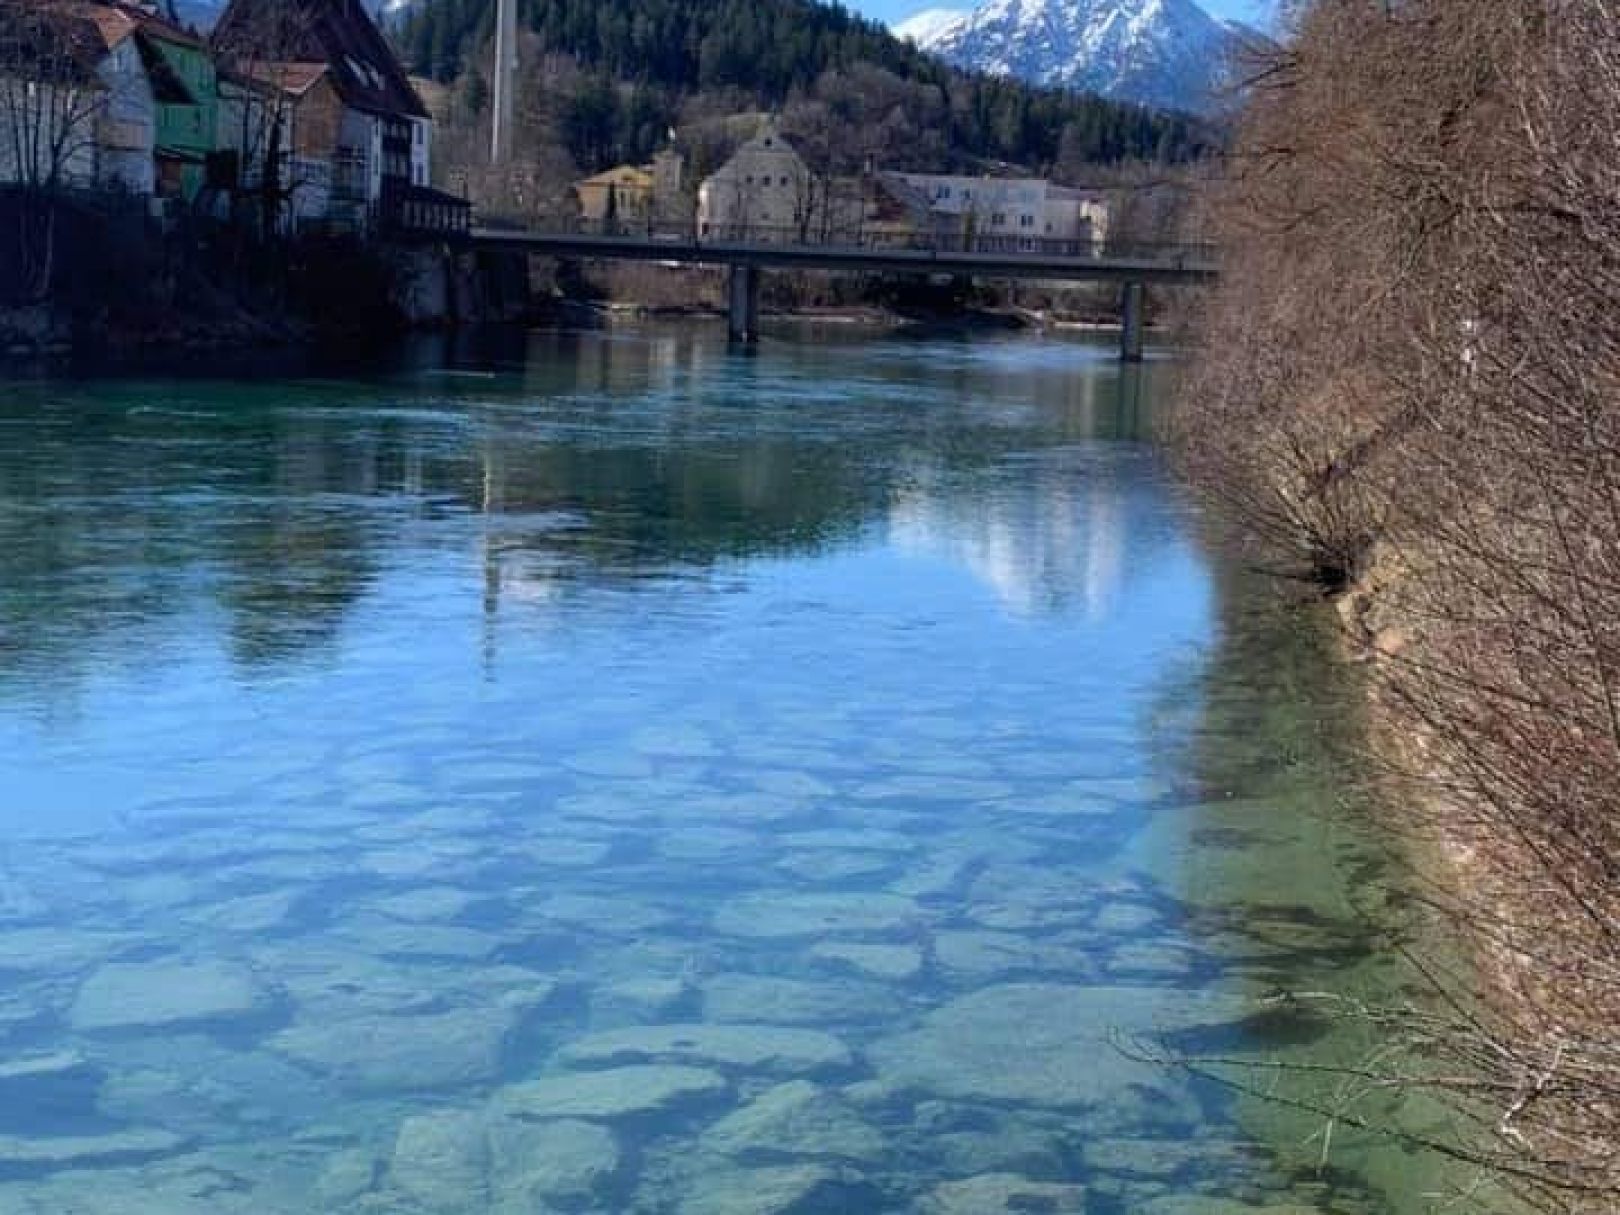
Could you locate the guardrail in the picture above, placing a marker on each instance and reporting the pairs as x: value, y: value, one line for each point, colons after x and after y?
x: 876, y: 239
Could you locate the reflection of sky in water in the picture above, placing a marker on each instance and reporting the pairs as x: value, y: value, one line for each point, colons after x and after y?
x: 617, y: 775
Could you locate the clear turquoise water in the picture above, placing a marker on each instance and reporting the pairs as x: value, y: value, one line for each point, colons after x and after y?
x: 606, y: 773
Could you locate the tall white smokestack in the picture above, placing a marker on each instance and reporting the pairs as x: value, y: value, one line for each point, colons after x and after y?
x: 500, y: 150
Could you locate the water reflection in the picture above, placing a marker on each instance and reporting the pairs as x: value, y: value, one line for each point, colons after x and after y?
x: 608, y: 774
x: 271, y: 508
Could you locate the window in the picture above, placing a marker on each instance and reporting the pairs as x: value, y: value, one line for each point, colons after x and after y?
x: 999, y: 219
x: 1026, y: 221
x: 784, y: 181
x: 749, y: 180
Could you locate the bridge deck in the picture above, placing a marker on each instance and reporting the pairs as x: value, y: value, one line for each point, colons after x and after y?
x: 1144, y: 264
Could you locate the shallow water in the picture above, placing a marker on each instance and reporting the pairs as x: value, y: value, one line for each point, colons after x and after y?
x: 611, y: 774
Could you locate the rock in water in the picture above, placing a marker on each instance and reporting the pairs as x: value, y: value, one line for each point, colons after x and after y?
x: 455, y: 1161
x: 441, y: 1161
x: 1044, y: 1043
x: 620, y: 1092
x: 163, y: 995
x: 811, y: 1189
x: 763, y: 1047
x: 797, y: 1119
x: 551, y: 1165
x: 1004, y: 1194
x: 404, y: 1054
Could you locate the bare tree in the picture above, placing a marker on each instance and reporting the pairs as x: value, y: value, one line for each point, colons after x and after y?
x: 50, y: 100
x: 264, y: 79
x: 1408, y: 387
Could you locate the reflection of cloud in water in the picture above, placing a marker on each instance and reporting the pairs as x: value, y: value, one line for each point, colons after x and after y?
x: 1053, y: 541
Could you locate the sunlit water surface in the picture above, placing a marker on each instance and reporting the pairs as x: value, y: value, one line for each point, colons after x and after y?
x: 612, y: 774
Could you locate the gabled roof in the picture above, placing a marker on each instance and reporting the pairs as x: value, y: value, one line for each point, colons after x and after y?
x: 339, y: 33
x: 118, y: 20
x: 294, y: 79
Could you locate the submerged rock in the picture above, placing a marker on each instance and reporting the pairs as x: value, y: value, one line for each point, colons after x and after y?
x: 762, y: 1047
x: 754, y: 998
x: 894, y: 962
x: 389, y: 1054
x: 808, y: 915
x: 616, y: 1093
x: 42, y: 950
x: 984, y: 954
x: 1043, y: 1043
x: 162, y: 995
x: 638, y: 1001
x: 441, y: 1161
x: 62, y: 1151
x: 788, y: 1190
x: 346, y: 1176
x: 456, y: 1161
x: 797, y: 1119
x: 1004, y: 1194
x: 251, y: 914
x: 551, y: 1165
x: 426, y: 904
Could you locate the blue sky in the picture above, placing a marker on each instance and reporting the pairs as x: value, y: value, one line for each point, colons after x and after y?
x: 895, y: 10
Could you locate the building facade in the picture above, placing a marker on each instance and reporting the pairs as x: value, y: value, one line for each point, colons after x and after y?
x: 1012, y: 214
x: 765, y: 193
x: 348, y: 105
x: 623, y: 195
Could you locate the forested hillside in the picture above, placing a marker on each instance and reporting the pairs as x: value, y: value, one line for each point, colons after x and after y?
x: 639, y: 67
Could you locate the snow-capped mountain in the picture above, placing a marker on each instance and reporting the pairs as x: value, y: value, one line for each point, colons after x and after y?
x: 1168, y: 53
x: 926, y: 27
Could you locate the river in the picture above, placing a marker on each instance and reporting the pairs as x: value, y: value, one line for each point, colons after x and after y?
x: 604, y: 772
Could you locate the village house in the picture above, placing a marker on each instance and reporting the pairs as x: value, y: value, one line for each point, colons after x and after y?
x: 96, y: 95
x: 623, y: 194
x: 637, y: 195
x: 1011, y: 214
x: 52, y: 94
x: 765, y: 193
x: 160, y: 77
x: 317, y: 97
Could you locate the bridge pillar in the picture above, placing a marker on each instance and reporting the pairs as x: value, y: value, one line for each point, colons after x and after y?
x: 1131, y: 322
x: 742, y: 315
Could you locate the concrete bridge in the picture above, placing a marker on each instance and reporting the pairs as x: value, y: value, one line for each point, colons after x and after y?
x: 748, y: 253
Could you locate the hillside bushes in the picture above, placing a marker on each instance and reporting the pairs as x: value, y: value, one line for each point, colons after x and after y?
x: 1409, y: 383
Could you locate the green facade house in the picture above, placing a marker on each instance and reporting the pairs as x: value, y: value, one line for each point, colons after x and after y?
x: 186, y: 131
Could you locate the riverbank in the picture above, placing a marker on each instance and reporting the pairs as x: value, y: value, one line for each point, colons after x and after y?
x: 195, y: 300
x: 1412, y: 401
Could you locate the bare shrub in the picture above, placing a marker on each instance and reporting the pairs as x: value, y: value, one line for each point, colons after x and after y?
x: 1412, y: 367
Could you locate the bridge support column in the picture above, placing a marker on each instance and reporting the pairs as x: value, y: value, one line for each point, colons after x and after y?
x: 1131, y: 322
x: 742, y: 316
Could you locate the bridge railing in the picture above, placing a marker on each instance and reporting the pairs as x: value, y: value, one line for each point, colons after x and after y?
x: 863, y: 238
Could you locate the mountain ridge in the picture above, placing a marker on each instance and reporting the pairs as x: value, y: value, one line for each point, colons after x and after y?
x: 1169, y: 54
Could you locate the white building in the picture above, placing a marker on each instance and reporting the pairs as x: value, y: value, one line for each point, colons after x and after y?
x: 1008, y: 212
x: 84, y: 116
x: 765, y: 192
